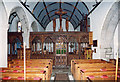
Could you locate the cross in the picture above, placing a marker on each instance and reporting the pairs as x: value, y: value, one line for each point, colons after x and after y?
x: 60, y: 13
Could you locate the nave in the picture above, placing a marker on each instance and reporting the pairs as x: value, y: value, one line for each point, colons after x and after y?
x: 59, y: 41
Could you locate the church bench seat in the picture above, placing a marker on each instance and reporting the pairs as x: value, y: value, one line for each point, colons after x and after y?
x: 20, y: 76
x: 38, y: 69
x: 28, y: 60
x: 92, y: 75
x: 86, y: 66
x: 77, y: 61
x: 108, y: 78
x: 32, y: 66
x: 98, y: 69
x: 34, y: 62
x: 77, y: 64
x: 28, y: 70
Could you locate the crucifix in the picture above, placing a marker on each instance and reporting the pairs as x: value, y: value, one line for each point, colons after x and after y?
x: 60, y: 13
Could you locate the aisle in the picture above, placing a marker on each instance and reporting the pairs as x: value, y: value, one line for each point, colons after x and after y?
x: 61, y: 74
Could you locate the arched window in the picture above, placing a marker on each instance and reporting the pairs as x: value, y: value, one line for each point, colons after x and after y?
x: 19, y: 28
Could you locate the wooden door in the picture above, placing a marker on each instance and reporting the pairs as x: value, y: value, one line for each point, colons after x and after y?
x: 61, y: 57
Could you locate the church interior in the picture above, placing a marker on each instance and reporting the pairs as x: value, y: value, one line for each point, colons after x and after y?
x: 60, y: 40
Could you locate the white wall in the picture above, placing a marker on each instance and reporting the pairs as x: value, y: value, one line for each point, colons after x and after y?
x: 96, y: 22
x: 14, y: 25
x: 3, y: 35
x: 115, y: 43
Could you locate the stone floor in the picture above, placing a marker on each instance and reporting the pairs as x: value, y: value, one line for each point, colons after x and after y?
x: 62, y: 70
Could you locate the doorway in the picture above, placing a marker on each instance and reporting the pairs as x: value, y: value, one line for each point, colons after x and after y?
x: 61, y: 56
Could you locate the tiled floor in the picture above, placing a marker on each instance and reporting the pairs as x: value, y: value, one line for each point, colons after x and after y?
x: 64, y: 70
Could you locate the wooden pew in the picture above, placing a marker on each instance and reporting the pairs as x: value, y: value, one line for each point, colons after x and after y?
x: 20, y: 76
x: 95, y: 75
x: 93, y: 69
x: 77, y: 61
x: 30, y: 69
x: 82, y: 62
x: 85, y: 66
x: 33, y: 62
x: 33, y: 67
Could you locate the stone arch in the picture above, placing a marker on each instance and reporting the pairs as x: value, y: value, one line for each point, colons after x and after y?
x: 13, y: 22
x: 24, y: 22
x: 22, y: 16
x: 34, y: 26
x: 109, y: 27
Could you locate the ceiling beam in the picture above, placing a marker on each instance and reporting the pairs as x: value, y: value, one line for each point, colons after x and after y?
x: 35, y: 6
x: 14, y: 14
x: 46, y: 9
x: 73, y: 10
x: 57, y: 9
x: 74, y: 7
x: 96, y: 5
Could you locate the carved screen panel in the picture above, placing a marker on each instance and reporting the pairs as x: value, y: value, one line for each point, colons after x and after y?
x: 90, y: 38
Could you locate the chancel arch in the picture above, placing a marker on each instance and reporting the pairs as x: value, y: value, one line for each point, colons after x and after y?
x: 18, y: 14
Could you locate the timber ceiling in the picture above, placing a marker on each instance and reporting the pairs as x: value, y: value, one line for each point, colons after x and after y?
x: 44, y: 11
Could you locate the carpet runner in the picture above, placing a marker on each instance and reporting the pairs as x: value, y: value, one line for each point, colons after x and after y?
x: 63, y: 76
